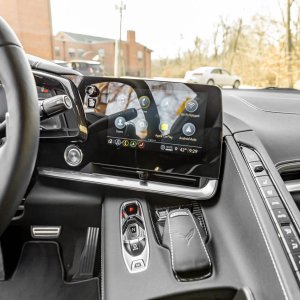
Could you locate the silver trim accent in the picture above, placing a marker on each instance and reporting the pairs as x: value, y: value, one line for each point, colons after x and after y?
x: 45, y: 232
x: 79, y: 152
x: 88, y: 255
x: 288, y: 166
x: 144, y: 256
x: 203, y: 193
x: 293, y: 185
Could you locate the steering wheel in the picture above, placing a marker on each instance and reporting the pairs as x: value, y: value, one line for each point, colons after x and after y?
x: 19, y: 150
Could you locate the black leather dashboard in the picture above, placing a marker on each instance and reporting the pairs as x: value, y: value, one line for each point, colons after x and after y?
x: 273, y: 115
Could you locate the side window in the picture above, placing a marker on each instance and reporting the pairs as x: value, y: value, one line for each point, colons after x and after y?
x: 216, y: 71
x: 57, y: 51
x: 140, y: 55
x: 83, y: 66
x: 224, y: 72
x: 75, y: 66
x: 101, y: 52
x: 80, y: 53
x: 71, y: 52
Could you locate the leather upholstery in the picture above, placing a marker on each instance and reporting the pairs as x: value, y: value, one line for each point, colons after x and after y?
x: 184, y: 238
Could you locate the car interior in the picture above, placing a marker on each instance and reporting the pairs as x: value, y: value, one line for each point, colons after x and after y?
x: 125, y: 188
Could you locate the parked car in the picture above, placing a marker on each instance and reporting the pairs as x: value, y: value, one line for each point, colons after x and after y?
x: 213, y: 76
x: 62, y: 63
x: 87, y: 67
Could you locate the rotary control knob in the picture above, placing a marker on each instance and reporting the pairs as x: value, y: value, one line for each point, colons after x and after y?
x: 73, y: 156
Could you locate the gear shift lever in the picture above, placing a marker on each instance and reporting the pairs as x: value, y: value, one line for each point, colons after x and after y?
x: 184, y: 238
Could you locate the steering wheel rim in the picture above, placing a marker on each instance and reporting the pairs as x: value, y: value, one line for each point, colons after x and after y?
x: 18, y: 153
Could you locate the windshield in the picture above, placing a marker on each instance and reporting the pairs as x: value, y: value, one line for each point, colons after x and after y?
x: 246, y: 44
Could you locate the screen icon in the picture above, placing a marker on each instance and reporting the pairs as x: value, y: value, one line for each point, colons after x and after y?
x: 141, y: 145
x: 133, y: 144
x: 120, y: 122
x: 191, y: 106
x: 118, y: 142
x: 164, y: 127
x: 188, y: 129
x: 142, y: 124
x: 144, y: 102
x: 125, y: 143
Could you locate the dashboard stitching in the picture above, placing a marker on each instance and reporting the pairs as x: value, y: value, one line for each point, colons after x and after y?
x: 264, y: 110
x: 260, y: 227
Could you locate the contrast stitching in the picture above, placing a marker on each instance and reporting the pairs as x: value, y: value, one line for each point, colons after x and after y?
x: 171, y: 245
x: 258, y: 222
x: 172, y: 257
x: 200, y: 238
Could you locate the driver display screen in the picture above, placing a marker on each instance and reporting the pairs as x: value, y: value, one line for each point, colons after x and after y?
x: 170, y: 118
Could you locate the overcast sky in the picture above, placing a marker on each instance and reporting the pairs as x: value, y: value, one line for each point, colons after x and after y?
x: 164, y: 26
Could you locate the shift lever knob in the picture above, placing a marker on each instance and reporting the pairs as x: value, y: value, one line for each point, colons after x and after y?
x: 184, y: 237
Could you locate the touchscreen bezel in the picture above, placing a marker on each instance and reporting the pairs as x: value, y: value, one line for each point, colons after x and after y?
x: 205, y: 164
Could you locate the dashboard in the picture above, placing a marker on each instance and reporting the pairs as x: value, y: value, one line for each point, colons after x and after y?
x: 166, y: 145
x: 173, y: 144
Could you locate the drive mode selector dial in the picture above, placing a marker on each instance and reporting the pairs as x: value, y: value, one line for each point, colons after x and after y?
x: 134, y: 240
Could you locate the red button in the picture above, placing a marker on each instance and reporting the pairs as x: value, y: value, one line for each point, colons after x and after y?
x: 141, y: 145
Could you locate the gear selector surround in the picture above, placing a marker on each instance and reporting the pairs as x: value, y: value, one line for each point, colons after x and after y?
x: 134, y: 239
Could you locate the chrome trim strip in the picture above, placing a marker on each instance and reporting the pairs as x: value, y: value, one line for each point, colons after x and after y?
x: 288, y: 166
x: 45, y: 232
x: 293, y: 185
x: 203, y: 193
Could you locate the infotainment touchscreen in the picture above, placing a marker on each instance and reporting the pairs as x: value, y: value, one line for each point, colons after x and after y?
x: 175, y: 127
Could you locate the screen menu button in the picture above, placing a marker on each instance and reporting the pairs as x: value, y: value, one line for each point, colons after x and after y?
x: 188, y: 129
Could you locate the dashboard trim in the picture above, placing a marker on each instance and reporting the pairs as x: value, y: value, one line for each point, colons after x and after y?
x: 293, y: 185
x: 204, y: 193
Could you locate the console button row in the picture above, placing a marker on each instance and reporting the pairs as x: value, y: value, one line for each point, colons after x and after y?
x: 296, y: 258
x: 264, y: 181
x: 257, y: 169
x: 281, y: 216
x: 269, y: 191
x: 276, y: 207
x: 274, y: 202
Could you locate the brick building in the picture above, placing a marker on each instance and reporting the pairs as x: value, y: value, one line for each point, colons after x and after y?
x: 135, y: 58
x: 31, y: 20
x: 35, y: 33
